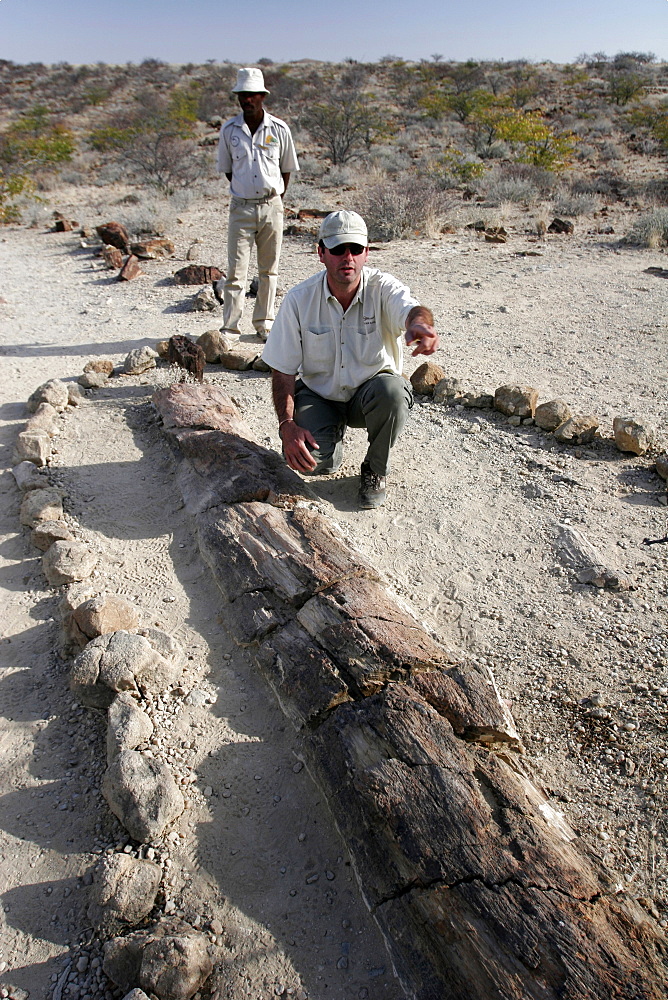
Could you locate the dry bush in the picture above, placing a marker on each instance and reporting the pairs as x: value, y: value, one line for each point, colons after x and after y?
x: 574, y: 203
x: 650, y: 230
x: 514, y: 189
x: 402, y: 208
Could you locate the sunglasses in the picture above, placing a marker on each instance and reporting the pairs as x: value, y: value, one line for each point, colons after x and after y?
x: 354, y: 248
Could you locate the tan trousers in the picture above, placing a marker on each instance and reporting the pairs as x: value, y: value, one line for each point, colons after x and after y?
x: 259, y: 223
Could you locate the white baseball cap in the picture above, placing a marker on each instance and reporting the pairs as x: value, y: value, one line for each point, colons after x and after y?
x: 249, y: 81
x: 343, y: 227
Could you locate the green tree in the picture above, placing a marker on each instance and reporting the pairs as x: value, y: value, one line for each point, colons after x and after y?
x: 625, y: 87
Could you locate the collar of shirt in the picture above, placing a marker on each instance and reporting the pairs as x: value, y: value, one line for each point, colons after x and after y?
x: 265, y: 123
x: 358, y: 294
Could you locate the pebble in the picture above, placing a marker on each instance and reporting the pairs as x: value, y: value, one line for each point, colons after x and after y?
x: 342, y: 962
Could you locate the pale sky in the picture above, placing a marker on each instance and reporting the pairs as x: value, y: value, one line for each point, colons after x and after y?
x: 182, y: 31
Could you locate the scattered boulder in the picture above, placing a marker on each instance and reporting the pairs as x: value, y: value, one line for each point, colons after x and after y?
x: 197, y: 274
x: 549, y: 415
x: 45, y: 533
x: 41, y: 505
x: 93, y: 380
x: 45, y: 418
x: 176, y: 966
x: 136, y: 994
x: 162, y: 349
x: 104, y: 614
x: 662, y: 465
x: 204, y: 301
x: 516, y: 400
x: 127, y: 725
x: 448, y: 391
x: 124, y: 961
x: 130, y: 269
x: 99, y: 365
x: 154, y: 249
x: 477, y: 400
x: 561, y: 226
x: 74, y: 393
x: 54, y: 392
x: 68, y: 562
x: 214, y: 343
x: 114, y: 234
x: 580, y: 429
x: 142, y: 794
x: 34, y: 447
x: 28, y: 477
x: 112, y: 257
x: 187, y: 355
x: 426, y: 377
x: 123, y: 661
x: 139, y: 360
x: 123, y: 892
x: 630, y: 435
x: 239, y: 359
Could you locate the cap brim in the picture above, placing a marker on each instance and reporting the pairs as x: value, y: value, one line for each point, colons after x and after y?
x: 335, y: 241
x: 245, y: 90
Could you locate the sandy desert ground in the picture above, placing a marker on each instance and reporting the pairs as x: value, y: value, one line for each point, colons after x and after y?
x: 467, y: 537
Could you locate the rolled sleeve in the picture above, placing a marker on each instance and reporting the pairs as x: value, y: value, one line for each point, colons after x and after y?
x: 288, y: 157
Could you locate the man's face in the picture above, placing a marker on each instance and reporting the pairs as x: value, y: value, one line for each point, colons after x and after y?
x: 344, y: 269
x: 251, y: 102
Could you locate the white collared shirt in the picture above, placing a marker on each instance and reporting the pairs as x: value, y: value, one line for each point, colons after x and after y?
x: 256, y: 161
x: 335, y: 352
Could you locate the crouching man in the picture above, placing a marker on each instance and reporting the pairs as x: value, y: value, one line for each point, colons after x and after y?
x: 336, y: 356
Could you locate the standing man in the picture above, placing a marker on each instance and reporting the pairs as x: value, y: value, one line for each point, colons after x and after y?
x: 340, y: 332
x: 257, y: 155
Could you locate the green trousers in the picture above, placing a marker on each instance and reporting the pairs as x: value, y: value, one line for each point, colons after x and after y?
x: 380, y: 404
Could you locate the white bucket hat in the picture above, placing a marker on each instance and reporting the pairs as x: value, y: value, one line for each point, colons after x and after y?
x: 343, y: 227
x: 249, y: 81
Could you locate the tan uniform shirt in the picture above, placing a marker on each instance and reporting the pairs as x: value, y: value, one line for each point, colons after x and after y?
x: 335, y: 352
x: 256, y: 161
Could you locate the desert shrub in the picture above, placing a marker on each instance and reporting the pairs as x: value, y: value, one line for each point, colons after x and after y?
x: 608, y: 184
x: 573, y: 203
x: 399, y: 209
x: 609, y: 151
x: 338, y: 176
x: 311, y: 169
x: 650, y: 230
x: 513, y: 189
x: 544, y: 181
x: 32, y: 145
x: 346, y: 124
x: 390, y: 159
x: 454, y: 168
x: 156, y: 140
x: 656, y: 190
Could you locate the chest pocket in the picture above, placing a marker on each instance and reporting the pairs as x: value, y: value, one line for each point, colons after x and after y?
x: 269, y: 152
x: 368, y: 342
x: 318, y: 349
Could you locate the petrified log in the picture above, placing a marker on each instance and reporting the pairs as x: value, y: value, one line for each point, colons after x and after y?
x: 187, y: 355
x: 130, y: 269
x: 153, y: 249
x: 479, y: 885
x: 197, y: 274
x: 114, y: 234
x: 112, y: 256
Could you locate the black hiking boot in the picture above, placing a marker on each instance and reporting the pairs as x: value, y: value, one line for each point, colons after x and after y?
x: 372, y: 488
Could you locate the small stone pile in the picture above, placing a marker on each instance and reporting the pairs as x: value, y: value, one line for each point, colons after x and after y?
x: 519, y: 403
x: 125, y: 670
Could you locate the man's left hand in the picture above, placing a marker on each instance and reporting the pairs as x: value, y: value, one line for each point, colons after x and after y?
x: 424, y: 336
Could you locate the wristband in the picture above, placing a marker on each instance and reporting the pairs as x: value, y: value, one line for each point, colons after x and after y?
x: 285, y: 421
